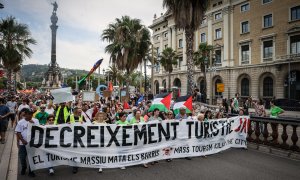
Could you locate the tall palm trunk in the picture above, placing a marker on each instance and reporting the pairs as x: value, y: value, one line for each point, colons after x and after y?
x: 189, y: 36
x: 10, y: 81
x: 169, y: 81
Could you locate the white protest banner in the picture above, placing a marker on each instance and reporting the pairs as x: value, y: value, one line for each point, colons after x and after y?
x: 62, y: 95
x: 111, y: 146
x: 88, y: 96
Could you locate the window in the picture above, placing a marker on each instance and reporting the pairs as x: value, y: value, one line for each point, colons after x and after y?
x: 218, y: 16
x: 180, y: 45
x: 218, y: 33
x: 218, y: 57
x: 203, y: 37
x: 245, y: 7
x: 295, y: 13
x: 268, y: 49
x: 180, y: 61
x: 245, y: 87
x: 266, y: 1
x: 295, y: 44
x: 245, y: 27
x: 268, y: 22
x: 268, y: 87
x: 245, y: 54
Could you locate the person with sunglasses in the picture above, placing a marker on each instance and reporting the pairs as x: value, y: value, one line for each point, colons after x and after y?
x: 42, y: 115
x: 169, y: 115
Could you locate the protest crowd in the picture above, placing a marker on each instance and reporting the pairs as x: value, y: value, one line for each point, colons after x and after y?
x: 18, y: 110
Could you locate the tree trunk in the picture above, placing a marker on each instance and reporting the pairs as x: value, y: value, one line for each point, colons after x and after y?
x: 127, y: 86
x: 169, y: 82
x: 10, y: 81
x: 189, y: 36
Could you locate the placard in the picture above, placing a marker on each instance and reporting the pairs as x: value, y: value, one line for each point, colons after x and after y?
x: 61, y: 95
x: 88, y: 96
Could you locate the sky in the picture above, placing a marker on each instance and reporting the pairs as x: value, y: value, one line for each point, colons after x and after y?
x: 80, y: 25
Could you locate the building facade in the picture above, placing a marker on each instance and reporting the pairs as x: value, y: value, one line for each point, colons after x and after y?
x: 256, y: 48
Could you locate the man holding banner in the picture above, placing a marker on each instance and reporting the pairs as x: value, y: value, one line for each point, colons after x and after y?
x: 21, y: 130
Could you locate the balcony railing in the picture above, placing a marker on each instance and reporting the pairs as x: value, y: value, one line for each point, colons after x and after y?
x: 277, y: 132
x: 289, y: 56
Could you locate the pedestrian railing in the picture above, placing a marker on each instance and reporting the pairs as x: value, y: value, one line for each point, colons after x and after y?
x: 277, y: 132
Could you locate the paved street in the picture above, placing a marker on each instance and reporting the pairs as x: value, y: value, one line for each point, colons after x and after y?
x: 231, y: 164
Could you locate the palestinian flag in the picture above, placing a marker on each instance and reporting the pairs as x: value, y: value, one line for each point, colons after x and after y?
x: 162, y: 102
x: 185, y: 102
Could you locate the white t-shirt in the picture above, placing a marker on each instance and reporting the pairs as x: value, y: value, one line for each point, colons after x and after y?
x: 12, y: 106
x: 22, y: 106
x: 50, y: 111
x: 22, y: 127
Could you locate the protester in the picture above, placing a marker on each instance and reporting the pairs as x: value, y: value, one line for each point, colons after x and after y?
x: 155, y: 115
x: 50, y: 108
x: 259, y: 108
x: 182, y: 114
x: 4, y: 113
x: 76, y: 116
x: 62, y: 114
x: 87, y: 112
x: 23, y: 105
x: 50, y: 121
x: 12, y: 105
x: 137, y: 117
x: 42, y: 115
x: 235, y: 104
x: 200, y: 117
x: 21, y: 130
x: 275, y: 111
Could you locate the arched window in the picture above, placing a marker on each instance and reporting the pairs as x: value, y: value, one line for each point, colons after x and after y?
x: 268, y: 87
x: 245, y: 87
x: 156, y: 87
x: 201, y: 86
x: 164, y: 84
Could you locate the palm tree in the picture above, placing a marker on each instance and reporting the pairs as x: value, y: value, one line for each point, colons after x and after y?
x: 15, y: 39
x: 202, y: 59
x: 168, y: 59
x: 129, y: 43
x: 114, y: 72
x: 188, y: 14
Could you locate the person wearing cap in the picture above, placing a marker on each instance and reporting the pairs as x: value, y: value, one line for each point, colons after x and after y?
x: 62, y: 114
x: 42, y: 115
x: 21, y: 131
x: 182, y: 114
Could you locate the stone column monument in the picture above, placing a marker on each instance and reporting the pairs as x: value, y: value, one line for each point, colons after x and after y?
x: 53, y: 75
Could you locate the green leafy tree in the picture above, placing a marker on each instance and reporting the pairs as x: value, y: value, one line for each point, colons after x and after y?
x: 15, y: 39
x: 168, y: 59
x: 202, y: 59
x: 188, y: 15
x: 129, y: 42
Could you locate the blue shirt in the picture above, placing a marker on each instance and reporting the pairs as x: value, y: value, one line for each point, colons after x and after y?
x: 4, y: 110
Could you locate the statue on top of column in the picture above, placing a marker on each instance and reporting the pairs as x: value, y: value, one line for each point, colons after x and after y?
x: 55, y: 6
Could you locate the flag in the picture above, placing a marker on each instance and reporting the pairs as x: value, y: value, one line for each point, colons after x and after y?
x: 162, y: 102
x: 96, y: 65
x: 126, y: 105
x: 141, y: 98
x: 185, y: 102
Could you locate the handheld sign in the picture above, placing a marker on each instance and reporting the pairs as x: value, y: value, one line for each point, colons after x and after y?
x: 88, y: 96
x: 62, y: 95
